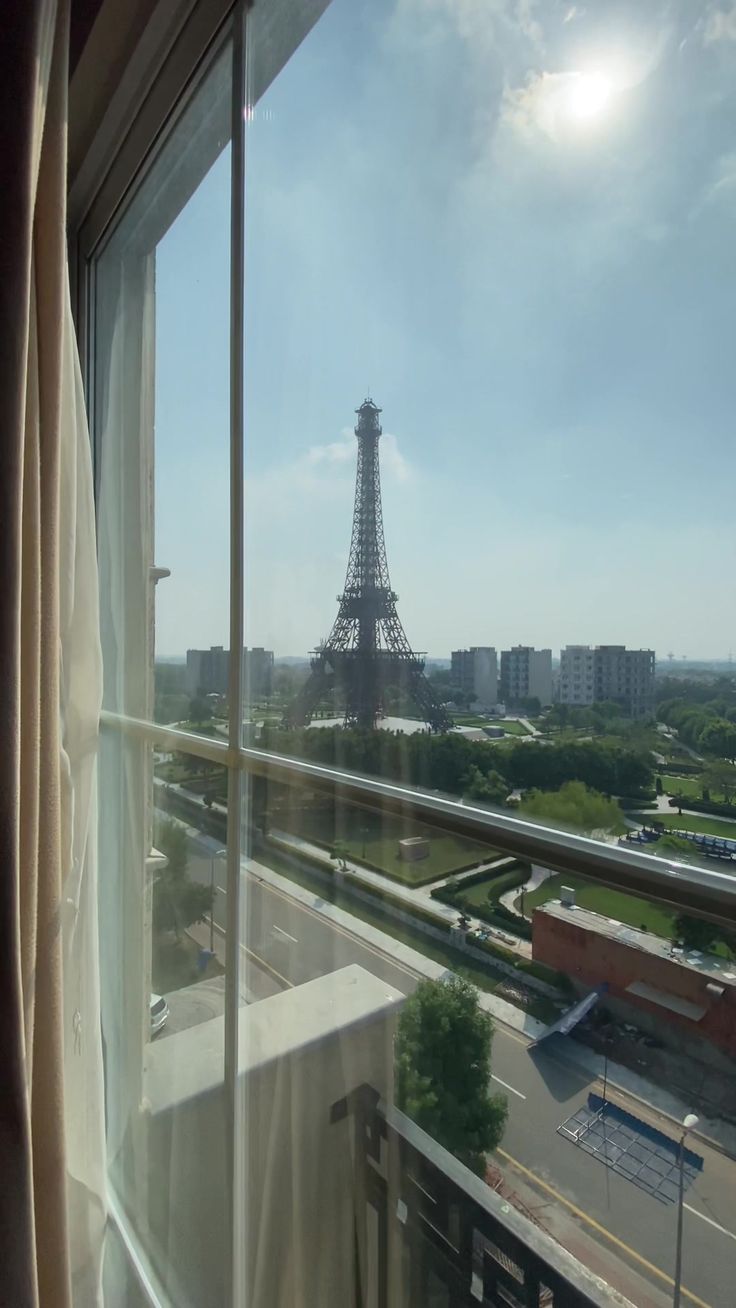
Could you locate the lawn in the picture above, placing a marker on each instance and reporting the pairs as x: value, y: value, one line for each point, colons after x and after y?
x: 373, y: 839
x: 476, y: 896
x: 708, y: 826
x: 691, y: 786
x: 447, y: 854
x: 610, y: 903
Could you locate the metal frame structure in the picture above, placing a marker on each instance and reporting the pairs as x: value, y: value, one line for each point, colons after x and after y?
x: 367, y: 650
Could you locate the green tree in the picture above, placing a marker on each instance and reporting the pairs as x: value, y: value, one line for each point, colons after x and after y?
x: 489, y: 786
x: 719, y: 778
x: 575, y: 806
x: 339, y: 855
x: 669, y: 844
x: 199, y: 710
x: 178, y: 901
x: 696, y: 932
x: 443, y: 1070
x: 718, y: 737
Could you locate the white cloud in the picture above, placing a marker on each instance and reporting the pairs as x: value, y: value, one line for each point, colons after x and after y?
x: 720, y: 25
x: 341, y: 452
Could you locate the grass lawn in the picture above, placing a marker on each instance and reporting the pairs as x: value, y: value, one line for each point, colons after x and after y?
x: 447, y: 854
x: 708, y: 826
x: 476, y: 896
x: 691, y: 786
x: 373, y: 839
x: 611, y: 903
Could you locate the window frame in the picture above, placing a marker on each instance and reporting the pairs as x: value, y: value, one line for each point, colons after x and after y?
x: 172, y: 56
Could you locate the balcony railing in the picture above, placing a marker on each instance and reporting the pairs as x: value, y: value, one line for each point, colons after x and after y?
x: 682, y: 887
x: 437, y: 1224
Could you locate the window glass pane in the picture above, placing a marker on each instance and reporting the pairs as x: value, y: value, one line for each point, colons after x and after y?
x: 488, y: 264
x: 162, y: 434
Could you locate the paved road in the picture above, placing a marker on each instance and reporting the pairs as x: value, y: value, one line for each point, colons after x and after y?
x: 288, y: 943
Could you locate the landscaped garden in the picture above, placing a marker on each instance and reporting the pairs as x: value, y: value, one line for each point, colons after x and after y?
x: 708, y: 826
x: 373, y: 840
x: 610, y: 903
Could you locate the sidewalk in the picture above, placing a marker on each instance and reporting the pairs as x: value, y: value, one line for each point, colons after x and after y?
x: 412, y: 896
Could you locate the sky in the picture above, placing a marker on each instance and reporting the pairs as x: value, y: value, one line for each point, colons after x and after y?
x: 511, y: 223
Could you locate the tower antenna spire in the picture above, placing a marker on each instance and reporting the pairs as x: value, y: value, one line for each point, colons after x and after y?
x: 367, y: 650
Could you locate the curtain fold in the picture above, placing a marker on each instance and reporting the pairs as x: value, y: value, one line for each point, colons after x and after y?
x: 51, y: 1105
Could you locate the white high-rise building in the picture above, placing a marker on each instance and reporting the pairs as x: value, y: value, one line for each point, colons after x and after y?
x: 475, y: 671
x: 526, y: 673
x: 608, y: 672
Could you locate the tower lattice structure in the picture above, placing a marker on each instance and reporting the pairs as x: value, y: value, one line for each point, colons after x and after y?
x: 367, y: 650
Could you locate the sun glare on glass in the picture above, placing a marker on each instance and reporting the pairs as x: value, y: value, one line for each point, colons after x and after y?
x: 588, y: 95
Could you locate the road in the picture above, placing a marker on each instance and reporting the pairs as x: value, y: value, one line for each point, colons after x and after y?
x: 286, y: 943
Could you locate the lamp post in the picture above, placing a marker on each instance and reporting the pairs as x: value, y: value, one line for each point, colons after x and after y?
x: 217, y: 854
x: 688, y: 1124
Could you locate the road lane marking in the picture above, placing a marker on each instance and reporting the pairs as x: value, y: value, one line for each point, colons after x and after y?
x: 262, y: 963
x: 709, y: 1220
x: 601, y: 1230
x: 506, y: 1086
x: 328, y: 921
x: 281, y: 932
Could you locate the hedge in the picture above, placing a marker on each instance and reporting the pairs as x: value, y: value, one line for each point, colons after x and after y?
x: 709, y: 806
x: 475, y: 877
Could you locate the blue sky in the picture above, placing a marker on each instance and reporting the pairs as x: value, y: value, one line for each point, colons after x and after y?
x: 514, y: 223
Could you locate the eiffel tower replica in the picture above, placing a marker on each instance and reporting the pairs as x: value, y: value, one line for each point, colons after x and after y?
x: 367, y: 650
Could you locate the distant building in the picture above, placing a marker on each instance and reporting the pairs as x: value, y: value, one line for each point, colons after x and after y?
x: 608, y: 672
x: 526, y: 673
x: 475, y: 671
x: 258, y: 672
x: 208, y: 671
x: 693, y: 993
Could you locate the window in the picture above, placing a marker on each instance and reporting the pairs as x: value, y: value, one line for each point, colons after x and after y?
x: 304, y: 814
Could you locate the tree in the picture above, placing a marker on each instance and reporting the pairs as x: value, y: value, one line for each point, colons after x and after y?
x: 696, y: 932
x: 443, y: 1070
x: 719, y: 778
x: 178, y: 901
x: 199, y: 710
x: 575, y: 806
x: 669, y: 844
x: 339, y: 854
x: 491, y: 786
x: 718, y: 737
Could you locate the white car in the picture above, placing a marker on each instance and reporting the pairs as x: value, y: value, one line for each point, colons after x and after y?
x: 159, y: 1013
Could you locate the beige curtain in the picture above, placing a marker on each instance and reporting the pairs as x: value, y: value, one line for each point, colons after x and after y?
x: 51, y: 1111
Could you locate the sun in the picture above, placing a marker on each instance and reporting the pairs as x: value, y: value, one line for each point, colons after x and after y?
x: 588, y: 96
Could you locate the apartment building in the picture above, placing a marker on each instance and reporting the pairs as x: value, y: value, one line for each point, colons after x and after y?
x: 608, y: 672
x: 208, y: 671
x: 475, y: 671
x: 526, y: 673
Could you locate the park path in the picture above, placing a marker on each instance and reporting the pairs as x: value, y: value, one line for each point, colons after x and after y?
x: 412, y: 896
x: 539, y: 874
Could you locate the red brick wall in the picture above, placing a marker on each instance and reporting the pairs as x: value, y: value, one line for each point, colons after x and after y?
x: 590, y: 958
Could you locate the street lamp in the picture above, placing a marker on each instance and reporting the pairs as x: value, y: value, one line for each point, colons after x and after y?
x: 689, y: 1123
x: 219, y: 853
